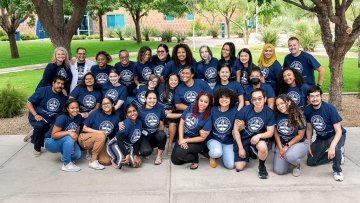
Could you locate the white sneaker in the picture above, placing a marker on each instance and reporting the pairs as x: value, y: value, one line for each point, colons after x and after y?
x: 338, y: 176
x: 88, y: 155
x: 96, y: 165
x: 342, y: 155
x: 296, y: 171
x: 70, y: 167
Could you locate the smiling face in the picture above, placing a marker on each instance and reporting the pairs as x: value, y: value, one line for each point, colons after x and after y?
x: 89, y: 80
x: 294, y: 47
x: 224, y: 101
x: 161, y: 53
x: 181, y: 54
x: 186, y: 75
x: 258, y: 99
x: 132, y: 113
x: 203, y: 103
x: 58, y: 86
x: 244, y: 58
x: 114, y: 78
x: 315, y: 99
x: 173, y: 81
x: 150, y: 100
x: 282, y: 106
x: 124, y: 58
x: 289, y: 78
x: 225, y: 52
x: 73, y: 109
x: 224, y: 73
x: 204, y: 53
x: 81, y: 55
x: 101, y: 61
x: 60, y: 56
x: 268, y: 53
x: 106, y: 105
x: 153, y: 82
x: 145, y: 57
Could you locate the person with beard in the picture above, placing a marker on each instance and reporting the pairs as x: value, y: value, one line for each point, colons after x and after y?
x: 255, y: 76
x: 80, y: 67
x: 330, y: 135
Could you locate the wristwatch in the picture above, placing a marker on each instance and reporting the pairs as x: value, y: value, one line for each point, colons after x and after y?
x: 287, y: 144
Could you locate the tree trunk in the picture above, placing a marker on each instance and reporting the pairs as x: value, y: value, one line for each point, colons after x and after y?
x: 336, y: 82
x: 227, y: 21
x: 13, y: 45
x: 138, y: 32
x: 101, y: 28
x: 62, y: 41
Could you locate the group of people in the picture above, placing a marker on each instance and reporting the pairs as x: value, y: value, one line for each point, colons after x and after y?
x: 227, y: 108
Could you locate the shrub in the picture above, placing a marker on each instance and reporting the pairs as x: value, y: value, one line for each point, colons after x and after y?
x: 180, y: 37
x: 12, y: 102
x: 2, y: 33
x: 119, y: 33
x: 308, y: 33
x: 146, y: 32
x: 79, y: 37
x: 129, y: 32
x: 214, y: 31
x: 270, y: 36
x: 95, y: 36
x: 28, y: 36
x: 166, y: 35
x: 4, y: 38
x: 110, y: 33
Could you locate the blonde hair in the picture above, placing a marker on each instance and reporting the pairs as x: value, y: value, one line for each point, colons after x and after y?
x: 67, y: 59
x: 263, y: 61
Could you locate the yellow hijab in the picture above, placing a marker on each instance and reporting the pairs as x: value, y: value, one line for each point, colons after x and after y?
x: 263, y: 61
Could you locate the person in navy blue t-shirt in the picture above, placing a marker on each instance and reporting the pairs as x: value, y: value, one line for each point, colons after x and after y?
x: 63, y: 135
x: 303, y: 62
x: 141, y: 90
x: 60, y: 65
x: 330, y: 135
x: 207, y: 68
x: 255, y: 77
x: 144, y: 67
x: 43, y: 106
x: 115, y: 91
x: 224, y: 82
x: 102, y: 69
x: 126, y: 69
x: 153, y: 135
x: 256, y: 123
x: 228, y: 57
x: 188, y: 89
x: 87, y: 93
x: 101, y: 125
x: 160, y: 60
x: 124, y: 147
x: 270, y: 66
x: 194, y: 128
x: 246, y: 64
x: 180, y: 58
x: 289, y: 132
x: 291, y: 83
x: 221, y: 140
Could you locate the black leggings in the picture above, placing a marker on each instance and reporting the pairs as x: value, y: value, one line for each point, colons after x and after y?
x: 148, y: 143
x: 190, y: 155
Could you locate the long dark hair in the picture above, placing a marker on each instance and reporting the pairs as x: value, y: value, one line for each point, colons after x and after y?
x: 147, y: 94
x: 232, y: 53
x: 283, y: 86
x: 112, y: 103
x: 296, y: 117
x: 226, y: 93
x: 67, y: 104
x: 167, y: 89
x: 142, y: 51
x: 83, y: 85
x: 168, y: 57
x: 189, y: 60
x: 250, y: 62
x: 207, y: 112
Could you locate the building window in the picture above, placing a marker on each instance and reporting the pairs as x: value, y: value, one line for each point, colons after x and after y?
x: 169, y: 18
x: 189, y: 17
x: 115, y: 21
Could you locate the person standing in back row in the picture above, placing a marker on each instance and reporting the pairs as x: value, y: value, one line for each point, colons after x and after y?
x: 80, y: 67
x: 303, y: 62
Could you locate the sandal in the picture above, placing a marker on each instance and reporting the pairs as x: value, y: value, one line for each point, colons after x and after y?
x: 212, y: 163
x: 169, y: 151
x: 194, y: 166
x: 158, y: 161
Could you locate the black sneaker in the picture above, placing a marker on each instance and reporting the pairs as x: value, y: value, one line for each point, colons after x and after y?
x: 263, y: 174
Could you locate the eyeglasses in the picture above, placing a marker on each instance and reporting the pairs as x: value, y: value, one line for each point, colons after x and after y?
x: 153, y: 81
x: 124, y: 57
x: 105, y: 104
x: 81, y: 53
x: 254, y: 99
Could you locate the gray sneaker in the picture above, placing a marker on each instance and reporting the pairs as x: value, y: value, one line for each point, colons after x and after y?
x: 96, y: 165
x: 342, y: 155
x: 70, y: 167
x: 296, y: 171
x: 338, y: 176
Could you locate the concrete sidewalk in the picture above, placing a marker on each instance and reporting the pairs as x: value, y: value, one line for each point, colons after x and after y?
x: 24, y: 177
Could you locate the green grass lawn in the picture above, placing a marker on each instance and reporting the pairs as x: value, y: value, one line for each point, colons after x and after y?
x: 26, y: 81
x: 40, y: 51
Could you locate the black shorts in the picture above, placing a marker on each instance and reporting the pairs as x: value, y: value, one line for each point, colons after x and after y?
x: 246, y: 144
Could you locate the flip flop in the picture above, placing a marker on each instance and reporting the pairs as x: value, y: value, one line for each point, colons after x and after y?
x: 194, y: 166
x: 158, y: 161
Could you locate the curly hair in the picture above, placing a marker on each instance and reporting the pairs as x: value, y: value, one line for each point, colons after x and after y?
x: 296, y: 117
x: 107, y: 56
x: 283, y: 86
x: 225, y: 92
x: 142, y: 52
x: 189, y: 57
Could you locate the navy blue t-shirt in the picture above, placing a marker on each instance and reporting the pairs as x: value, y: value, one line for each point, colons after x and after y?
x: 140, y: 92
x: 272, y: 73
x: 158, y: 66
x: 151, y: 119
x: 51, y: 71
x: 305, y: 63
x: 194, y: 124
x: 102, y: 75
x: 116, y: 93
x: 132, y: 131
x: 207, y: 71
x: 286, y: 133
x: 187, y: 95
x: 171, y: 67
x: 255, y: 122
x: 98, y: 120
x: 127, y: 76
x: 167, y: 103
x: 233, y: 86
x: 244, y: 79
x: 323, y: 120
x: 267, y: 88
x: 222, y: 125
x: 66, y: 123
x: 143, y: 71
x: 47, y: 103
x: 298, y: 95
x: 87, y: 99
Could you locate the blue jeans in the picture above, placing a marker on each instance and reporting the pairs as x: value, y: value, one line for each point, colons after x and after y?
x: 320, y: 155
x: 40, y: 128
x: 66, y: 146
x: 226, y: 151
